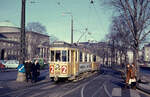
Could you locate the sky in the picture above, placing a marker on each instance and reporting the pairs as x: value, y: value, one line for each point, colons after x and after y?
x: 95, y: 17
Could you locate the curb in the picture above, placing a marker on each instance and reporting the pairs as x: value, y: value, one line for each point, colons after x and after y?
x: 143, y: 90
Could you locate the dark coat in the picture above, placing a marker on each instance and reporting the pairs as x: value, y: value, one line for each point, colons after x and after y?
x: 34, y: 69
x: 28, y: 67
x: 128, y: 73
x: 38, y: 69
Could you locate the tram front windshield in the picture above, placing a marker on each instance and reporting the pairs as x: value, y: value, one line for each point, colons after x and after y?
x: 59, y: 56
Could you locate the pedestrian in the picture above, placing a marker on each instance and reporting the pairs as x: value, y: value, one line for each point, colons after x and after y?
x: 28, y: 70
x: 37, y: 65
x: 34, y: 72
x: 128, y: 75
x: 133, y: 76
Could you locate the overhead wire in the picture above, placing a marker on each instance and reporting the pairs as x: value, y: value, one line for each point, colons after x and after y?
x: 87, y: 26
x: 89, y: 15
x: 60, y: 5
x: 88, y: 21
x: 99, y: 18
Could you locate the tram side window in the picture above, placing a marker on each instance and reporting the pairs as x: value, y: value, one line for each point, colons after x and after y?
x: 89, y: 58
x: 52, y: 55
x: 94, y: 58
x: 76, y: 56
x: 57, y: 56
x: 81, y: 57
x: 85, y: 57
x: 68, y: 55
x: 64, y: 57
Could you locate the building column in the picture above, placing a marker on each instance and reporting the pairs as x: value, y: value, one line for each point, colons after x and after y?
x: 46, y: 53
x: 40, y: 52
x: 43, y: 52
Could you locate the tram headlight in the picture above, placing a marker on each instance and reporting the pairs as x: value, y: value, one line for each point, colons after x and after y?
x: 57, y: 66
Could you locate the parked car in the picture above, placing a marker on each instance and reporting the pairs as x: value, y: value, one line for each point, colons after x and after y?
x: 11, y: 63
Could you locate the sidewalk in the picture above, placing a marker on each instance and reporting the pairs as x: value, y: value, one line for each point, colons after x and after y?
x: 14, y: 85
x: 144, y: 85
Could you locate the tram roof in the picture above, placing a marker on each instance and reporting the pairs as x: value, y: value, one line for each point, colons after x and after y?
x: 62, y: 44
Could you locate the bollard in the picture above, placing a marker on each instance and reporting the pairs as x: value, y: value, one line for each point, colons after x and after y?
x: 21, y: 77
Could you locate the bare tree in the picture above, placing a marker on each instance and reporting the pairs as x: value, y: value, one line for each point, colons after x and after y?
x: 39, y: 28
x: 53, y: 38
x: 120, y: 38
x: 137, y: 16
x: 36, y: 27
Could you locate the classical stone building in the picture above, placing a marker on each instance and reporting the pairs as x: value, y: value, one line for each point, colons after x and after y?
x: 37, y: 44
x: 8, y: 49
x: 146, y: 53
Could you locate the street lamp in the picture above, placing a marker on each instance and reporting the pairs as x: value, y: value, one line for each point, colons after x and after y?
x: 71, y: 25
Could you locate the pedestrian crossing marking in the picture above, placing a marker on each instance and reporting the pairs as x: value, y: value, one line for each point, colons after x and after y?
x: 116, y: 92
x: 134, y: 93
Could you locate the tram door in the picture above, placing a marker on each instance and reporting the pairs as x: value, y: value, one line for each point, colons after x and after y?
x: 73, y: 62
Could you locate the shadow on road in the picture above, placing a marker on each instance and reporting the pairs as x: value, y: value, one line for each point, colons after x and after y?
x: 120, y: 83
x: 41, y: 78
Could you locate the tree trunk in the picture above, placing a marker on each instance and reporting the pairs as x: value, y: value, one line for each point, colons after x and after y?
x: 120, y: 57
x: 135, y: 60
x: 103, y: 59
x: 125, y: 58
x: 116, y: 58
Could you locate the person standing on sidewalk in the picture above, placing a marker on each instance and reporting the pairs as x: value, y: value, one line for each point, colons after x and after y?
x: 37, y: 65
x: 128, y: 75
x: 34, y: 73
x: 133, y: 76
x: 28, y: 70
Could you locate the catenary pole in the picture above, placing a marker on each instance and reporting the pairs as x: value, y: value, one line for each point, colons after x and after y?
x: 71, y: 29
x: 23, y: 35
x: 21, y: 76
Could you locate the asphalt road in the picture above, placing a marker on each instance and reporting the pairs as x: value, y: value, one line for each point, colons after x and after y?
x: 12, y: 74
x: 107, y: 83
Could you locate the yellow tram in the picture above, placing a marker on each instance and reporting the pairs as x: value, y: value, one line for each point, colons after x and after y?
x: 68, y: 61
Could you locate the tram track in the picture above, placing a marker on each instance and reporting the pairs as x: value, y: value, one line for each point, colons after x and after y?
x: 44, y: 86
x: 20, y: 89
